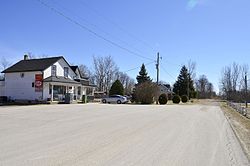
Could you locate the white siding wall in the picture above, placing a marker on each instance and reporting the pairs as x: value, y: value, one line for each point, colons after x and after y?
x: 47, y: 73
x: 46, y: 94
x: 18, y: 87
x: 59, y: 70
x: 2, y: 88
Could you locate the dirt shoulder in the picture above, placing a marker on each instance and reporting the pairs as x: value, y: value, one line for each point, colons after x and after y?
x: 240, y: 125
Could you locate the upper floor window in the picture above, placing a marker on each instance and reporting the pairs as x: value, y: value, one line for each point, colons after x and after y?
x: 53, y: 70
x: 22, y: 75
x: 66, y: 72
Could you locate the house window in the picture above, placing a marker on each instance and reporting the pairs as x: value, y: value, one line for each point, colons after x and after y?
x: 66, y: 72
x: 53, y: 70
x: 22, y: 75
x: 89, y: 91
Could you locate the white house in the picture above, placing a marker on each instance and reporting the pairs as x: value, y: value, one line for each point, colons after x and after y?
x: 166, y: 88
x: 45, y: 79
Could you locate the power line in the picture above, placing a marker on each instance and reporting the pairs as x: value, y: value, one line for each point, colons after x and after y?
x: 89, y: 30
x: 167, y: 72
x: 170, y: 63
x: 135, y: 68
x: 106, y: 33
x: 118, y: 26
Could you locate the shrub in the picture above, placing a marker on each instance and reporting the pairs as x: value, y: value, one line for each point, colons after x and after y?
x: 176, y: 99
x: 184, y: 98
x: 146, y: 92
x: 116, y: 88
x: 163, y: 99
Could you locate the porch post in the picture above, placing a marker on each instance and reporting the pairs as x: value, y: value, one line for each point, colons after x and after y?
x: 52, y: 87
x: 81, y: 93
x: 93, y: 91
x: 84, y: 92
x: 75, y: 92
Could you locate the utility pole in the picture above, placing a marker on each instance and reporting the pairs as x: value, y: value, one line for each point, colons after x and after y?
x: 157, y: 68
x: 188, y: 79
x: 246, y: 89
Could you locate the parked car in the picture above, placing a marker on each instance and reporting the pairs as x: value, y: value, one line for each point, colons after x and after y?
x: 115, y: 99
x: 129, y: 97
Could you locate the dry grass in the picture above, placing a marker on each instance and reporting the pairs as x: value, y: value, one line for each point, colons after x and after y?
x: 241, y: 126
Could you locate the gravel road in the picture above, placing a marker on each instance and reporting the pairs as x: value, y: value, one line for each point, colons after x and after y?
x: 115, y: 135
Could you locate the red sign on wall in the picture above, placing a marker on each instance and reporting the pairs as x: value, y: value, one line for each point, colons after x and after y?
x: 38, y: 82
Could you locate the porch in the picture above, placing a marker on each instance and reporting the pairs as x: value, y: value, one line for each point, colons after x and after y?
x: 55, y: 89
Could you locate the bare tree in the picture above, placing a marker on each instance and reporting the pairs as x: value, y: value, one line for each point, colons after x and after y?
x: 110, y: 69
x: 4, y: 64
x: 226, y: 82
x: 84, y: 70
x: 204, y: 88
x: 192, y: 69
x: 232, y: 81
x: 104, y: 72
x: 236, y: 69
x: 201, y: 84
x: 210, y: 90
x: 127, y: 82
x: 244, y: 71
x: 130, y: 85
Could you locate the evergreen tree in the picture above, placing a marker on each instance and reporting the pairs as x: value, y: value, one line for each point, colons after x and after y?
x: 143, y: 75
x: 184, y: 80
x: 116, y: 88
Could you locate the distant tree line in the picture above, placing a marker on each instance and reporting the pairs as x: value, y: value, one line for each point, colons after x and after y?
x: 232, y: 82
x: 187, y: 84
x: 204, y: 88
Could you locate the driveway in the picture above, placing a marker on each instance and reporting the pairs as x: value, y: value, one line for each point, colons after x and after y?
x: 114, y: 135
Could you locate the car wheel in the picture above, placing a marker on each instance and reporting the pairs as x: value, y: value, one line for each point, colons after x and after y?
x: 119, y: 102
x: 104, y: 101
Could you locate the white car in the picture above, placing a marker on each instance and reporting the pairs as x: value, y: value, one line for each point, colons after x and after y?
x: 115, y: 99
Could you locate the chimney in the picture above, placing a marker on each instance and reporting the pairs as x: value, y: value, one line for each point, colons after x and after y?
x: 25, y: 57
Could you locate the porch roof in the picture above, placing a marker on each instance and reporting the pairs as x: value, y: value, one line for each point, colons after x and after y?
x: 85, y: 82
x: 60, y: 79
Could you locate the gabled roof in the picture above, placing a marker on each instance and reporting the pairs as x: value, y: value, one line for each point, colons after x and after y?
x: 32, y: 65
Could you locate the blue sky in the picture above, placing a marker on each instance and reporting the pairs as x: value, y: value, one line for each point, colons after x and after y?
x: 213, y: 33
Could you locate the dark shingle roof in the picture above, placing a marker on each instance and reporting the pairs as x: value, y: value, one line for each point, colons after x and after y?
x: 32, y: 65
x: 60, y: 79
x: 74, y: 68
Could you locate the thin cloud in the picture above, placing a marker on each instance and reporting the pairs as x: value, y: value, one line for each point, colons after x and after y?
x: 194, y: 3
